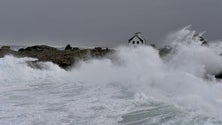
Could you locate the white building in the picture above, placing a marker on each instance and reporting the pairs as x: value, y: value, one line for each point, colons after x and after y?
x: 136, y: 40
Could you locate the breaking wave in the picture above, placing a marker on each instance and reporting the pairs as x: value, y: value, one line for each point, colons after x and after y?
x: 137, y: 86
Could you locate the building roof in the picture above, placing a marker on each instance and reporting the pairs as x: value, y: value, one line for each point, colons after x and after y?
x: 139, y: 37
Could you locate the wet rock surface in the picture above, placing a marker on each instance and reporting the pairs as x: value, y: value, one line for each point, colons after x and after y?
x: 64, y: 58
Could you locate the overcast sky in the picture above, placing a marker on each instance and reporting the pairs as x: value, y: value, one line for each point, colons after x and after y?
x: 104, y: 22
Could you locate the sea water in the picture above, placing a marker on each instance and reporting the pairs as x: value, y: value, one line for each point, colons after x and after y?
x: 135, y: 87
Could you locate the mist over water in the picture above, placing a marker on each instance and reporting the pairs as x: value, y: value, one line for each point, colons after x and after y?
x: 136, y: 87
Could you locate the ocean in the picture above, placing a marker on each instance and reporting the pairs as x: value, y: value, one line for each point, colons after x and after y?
x: 135, y: 87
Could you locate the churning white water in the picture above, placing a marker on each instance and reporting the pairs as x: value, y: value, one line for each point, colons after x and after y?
x: 136, y: 87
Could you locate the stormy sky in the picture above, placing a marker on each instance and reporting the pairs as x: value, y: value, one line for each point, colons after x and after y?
x: 104, y: 22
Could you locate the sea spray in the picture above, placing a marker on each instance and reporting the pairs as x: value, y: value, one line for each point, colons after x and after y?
x: 138, y: 87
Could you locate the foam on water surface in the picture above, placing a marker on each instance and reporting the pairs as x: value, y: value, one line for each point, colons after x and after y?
x: 137, y: 87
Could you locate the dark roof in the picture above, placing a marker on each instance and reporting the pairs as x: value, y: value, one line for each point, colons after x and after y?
x: 137, y: 37
x: 132, y: 38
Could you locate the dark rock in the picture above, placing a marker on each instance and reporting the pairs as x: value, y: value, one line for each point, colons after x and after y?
x: 204, y: 43
x: 64, y: 58
x: 5, y: 47
x: 98, y: 48
x: 165, y: 50
x: 153, y: 45
x: 5, y: 50
x: 218, y: 76
x: 21, y: 50
x: 34, y: 64
x: 75, y: 48
x: 68, y: 47
x: 40, y: 48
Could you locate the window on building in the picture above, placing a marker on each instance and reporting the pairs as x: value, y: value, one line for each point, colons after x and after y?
x: 133, y: 42
x: 138, y: 42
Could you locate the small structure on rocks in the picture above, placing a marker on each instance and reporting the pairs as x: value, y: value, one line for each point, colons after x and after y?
x: 200, y: 38
x: 137, y: 40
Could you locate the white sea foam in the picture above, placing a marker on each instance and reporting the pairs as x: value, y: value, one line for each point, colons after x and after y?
x: 138, y: 87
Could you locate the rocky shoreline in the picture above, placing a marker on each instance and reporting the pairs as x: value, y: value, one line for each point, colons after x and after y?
x: 67, y: 57
x: 63, y: 58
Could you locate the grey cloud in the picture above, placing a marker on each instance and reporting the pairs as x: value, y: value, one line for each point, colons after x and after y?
x: 104, y: 22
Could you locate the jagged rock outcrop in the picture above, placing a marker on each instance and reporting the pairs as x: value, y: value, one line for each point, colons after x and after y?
x: 64, y: 58
x: 218, y: 76
x: 165, y: 51
x: 4, y: 50
x: 68, y: 47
